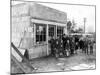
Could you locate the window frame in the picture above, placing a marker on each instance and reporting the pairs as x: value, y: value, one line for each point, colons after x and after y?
x: 41, y: 34
x: 61, y: 31
x: 54, y: 30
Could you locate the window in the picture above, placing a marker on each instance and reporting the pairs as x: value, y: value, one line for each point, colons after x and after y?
x: 40, y: 33
x: 59, y: 31
x: 52, y: 30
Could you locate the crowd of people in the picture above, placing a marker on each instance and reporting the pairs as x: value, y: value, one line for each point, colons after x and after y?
x: 68, y: 45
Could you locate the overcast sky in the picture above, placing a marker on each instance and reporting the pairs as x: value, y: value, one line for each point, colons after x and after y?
x: 76, y: 12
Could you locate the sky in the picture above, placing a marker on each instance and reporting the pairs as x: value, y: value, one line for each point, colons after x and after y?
x: 76, y: 13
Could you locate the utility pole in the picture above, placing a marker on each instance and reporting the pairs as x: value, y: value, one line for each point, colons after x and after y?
x: 84, y: 24
x: 73, y: 24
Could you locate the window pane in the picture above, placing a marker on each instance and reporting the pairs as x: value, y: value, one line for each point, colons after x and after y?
x: 40, y: 32
x: 37, y: 38
x: 51, y: 30
x: 60, y: 31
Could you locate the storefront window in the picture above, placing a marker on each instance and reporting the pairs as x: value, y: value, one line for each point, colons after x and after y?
x: 52, y: 30
x: 40, y: 33
x: 59, y: 31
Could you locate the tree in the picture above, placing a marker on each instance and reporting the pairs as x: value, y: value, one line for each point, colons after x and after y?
x: 71, y: 26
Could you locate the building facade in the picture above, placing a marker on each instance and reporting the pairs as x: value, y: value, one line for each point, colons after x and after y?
x: 32, y: 26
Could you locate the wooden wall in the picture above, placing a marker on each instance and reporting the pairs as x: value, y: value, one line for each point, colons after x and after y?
x: 22, y: 31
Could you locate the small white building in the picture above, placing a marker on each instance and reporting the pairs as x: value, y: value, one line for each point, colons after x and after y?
x: 32, y: 26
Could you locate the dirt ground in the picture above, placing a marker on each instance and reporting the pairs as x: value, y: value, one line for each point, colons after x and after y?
x: 76, y: 62
x: 79, y: 61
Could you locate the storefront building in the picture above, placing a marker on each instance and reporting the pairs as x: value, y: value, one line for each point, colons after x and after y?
x: 33, y: 25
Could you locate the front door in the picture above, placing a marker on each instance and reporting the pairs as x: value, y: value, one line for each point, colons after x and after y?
x: 51, y: 33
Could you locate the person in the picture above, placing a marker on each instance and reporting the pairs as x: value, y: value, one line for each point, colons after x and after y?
x: 81, y: 44
x: 56, y: 47
x: 76, y: 44
x: 67, y: 49
x: 76, y: 39
x: 76, y: 47
x: 91, y: 47
x: 64, y: 40
x: 52, y: 45
x: 86, y: 46
x: 72, y: 46
x: 59, y: 47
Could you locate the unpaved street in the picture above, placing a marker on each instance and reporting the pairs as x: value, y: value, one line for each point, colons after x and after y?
x: 78, y: 61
